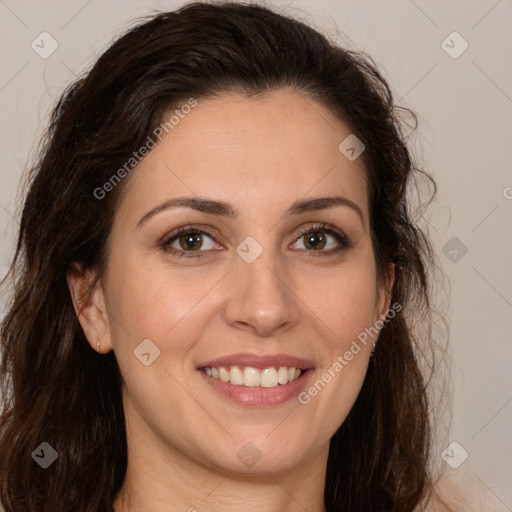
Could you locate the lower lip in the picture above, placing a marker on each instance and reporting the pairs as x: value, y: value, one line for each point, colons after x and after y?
x: 258, y: 396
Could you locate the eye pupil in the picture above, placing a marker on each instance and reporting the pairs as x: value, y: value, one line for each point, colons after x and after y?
x: 191, y: 241
x: 315, y: 240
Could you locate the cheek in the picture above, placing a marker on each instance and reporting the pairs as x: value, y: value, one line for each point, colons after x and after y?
x: 152, y: 306
x: 152, y: 302
x: 347, y: 315
x: 346, y: 302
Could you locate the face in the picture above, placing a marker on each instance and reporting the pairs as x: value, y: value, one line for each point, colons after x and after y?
x: 262, y: 276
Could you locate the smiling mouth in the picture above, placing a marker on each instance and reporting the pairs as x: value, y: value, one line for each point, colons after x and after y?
x: 248, y: 376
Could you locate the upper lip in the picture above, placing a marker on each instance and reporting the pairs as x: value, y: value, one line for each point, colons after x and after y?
x: 261, y: 362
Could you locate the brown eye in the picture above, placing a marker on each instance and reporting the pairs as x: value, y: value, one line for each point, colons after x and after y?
x: 191, y: 241
x: 186, y: 241
x: 314, y: 240
x: 318, y: 238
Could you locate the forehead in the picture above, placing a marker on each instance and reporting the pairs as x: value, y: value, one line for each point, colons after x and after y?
x: 278, y: 147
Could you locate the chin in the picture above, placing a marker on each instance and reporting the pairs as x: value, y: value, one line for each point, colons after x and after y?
x: 263, y: 454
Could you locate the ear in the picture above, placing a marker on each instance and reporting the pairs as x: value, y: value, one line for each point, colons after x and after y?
x: 89, y: 304
x: 385, y: 289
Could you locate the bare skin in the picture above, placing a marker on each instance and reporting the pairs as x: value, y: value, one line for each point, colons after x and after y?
x: 260, y: 156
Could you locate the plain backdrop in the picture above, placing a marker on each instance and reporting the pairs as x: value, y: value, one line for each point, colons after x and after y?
x: 463, y: 98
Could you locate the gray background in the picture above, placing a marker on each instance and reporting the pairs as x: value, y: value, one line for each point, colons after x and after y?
x: 465, y: 114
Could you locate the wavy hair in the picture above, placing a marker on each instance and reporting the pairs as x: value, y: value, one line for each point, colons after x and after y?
x: 56, y: 389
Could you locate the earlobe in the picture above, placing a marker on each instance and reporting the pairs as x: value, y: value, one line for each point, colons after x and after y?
x: 89, y: 305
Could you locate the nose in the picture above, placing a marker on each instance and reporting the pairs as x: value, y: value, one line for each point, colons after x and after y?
x: 262, y: 299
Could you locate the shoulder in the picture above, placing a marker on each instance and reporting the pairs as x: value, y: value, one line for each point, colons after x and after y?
x: 456, y: 492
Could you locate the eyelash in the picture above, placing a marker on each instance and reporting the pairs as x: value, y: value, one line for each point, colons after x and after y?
x: 340, y: 237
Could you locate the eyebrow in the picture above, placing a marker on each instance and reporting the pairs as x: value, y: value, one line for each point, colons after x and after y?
x: 222, y: 209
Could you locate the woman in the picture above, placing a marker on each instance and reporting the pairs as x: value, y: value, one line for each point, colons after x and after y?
x: 218, y: 277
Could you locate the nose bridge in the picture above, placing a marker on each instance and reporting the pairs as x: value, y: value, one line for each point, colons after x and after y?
x: 261, y: 298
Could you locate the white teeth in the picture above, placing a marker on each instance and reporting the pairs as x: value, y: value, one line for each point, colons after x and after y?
x: 223, y: 374
x: 282, y: 375
x: 236, y: 376
x: 253, y: 377
x: 269, y: 378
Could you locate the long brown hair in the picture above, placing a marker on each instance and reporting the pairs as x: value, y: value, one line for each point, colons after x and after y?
x: 56, y: 389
